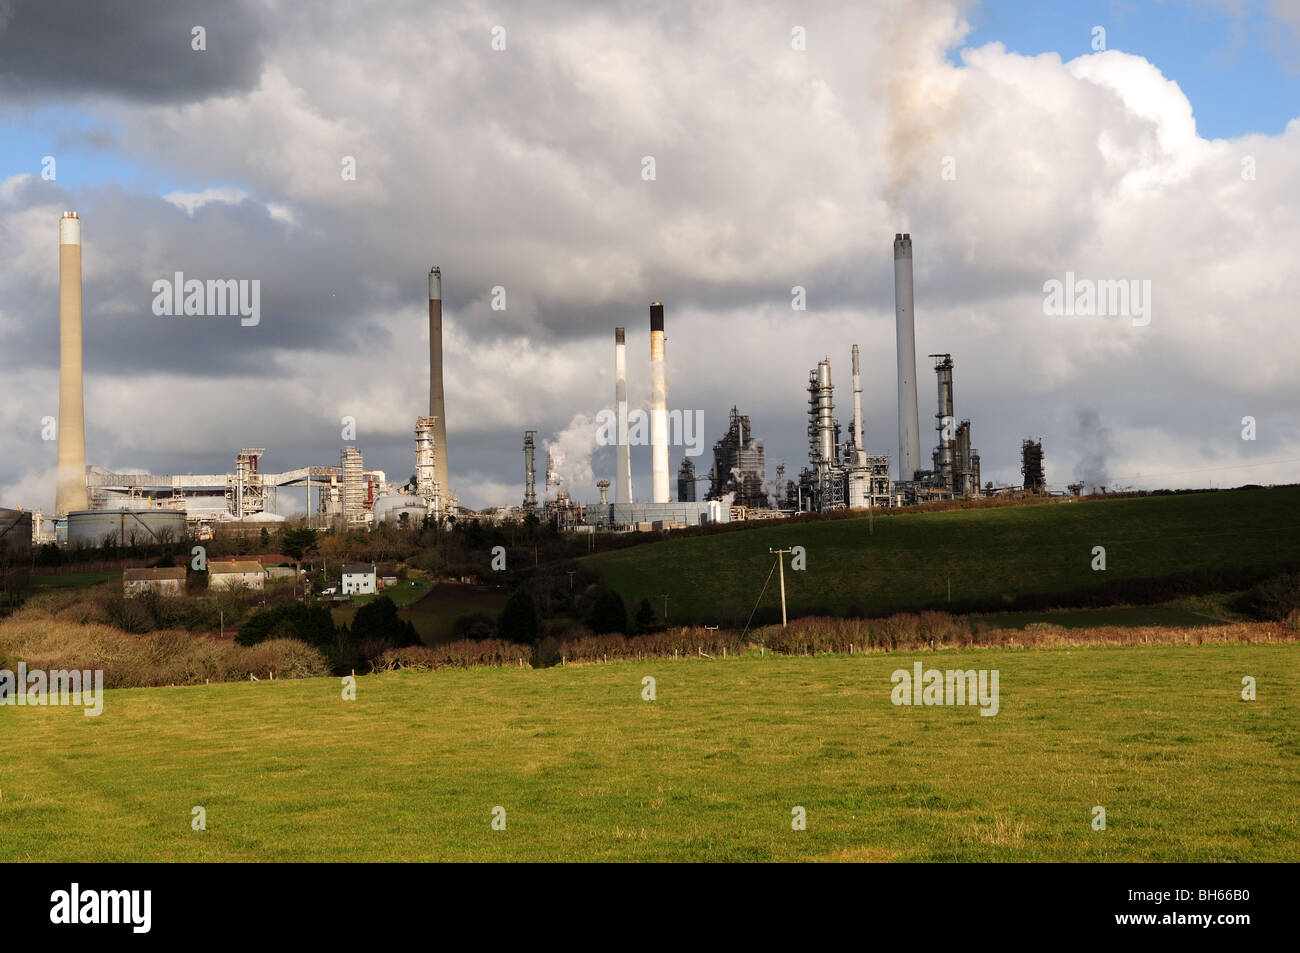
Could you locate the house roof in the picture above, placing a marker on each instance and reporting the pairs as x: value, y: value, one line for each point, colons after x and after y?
x: 358, y: 569
x: 148, y: 575
x: 224, y: 566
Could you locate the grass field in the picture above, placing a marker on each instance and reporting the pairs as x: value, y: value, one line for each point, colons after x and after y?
x: 75, y: 580
x: 988, y: 555
x: 710, y: 770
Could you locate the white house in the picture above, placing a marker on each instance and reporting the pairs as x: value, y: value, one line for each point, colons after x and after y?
x: 358, y: 578
x: 138, y: 581
x: 228, y: 573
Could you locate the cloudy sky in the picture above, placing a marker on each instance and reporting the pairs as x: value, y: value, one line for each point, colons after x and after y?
x: 790, y: 141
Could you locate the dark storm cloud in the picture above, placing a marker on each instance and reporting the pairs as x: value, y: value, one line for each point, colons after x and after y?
x: 134, y: 49
x: 315, y: 292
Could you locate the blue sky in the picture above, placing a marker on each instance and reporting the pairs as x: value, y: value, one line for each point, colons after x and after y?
x: 85, y: 146
x: 1240, y: 72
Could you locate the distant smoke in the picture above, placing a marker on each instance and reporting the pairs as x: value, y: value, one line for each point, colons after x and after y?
x: 775, y: 493
x: 1094, y: 440
x: 570, y: 451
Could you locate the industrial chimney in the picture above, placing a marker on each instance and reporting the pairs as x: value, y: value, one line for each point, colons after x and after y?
x: 658, y: 407
x: 945, y: 423
x: 623, y: 474
x: 859, y: 450
x: 437, y: 406
x: 70, y: 492
x: 909, y: 422
x: 530, y: 472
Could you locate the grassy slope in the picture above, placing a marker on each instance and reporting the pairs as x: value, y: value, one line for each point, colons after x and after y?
x: 76, y: 580
x: 435, y: 614
x: 711, y: 770
x: 997, y: 553
x: 432, y: 609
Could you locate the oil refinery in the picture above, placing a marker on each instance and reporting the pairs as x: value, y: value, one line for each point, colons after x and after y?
x: 94, y: 504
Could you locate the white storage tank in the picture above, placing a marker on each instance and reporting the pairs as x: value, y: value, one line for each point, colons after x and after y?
x: 96, y: 528
x: 392, y: 506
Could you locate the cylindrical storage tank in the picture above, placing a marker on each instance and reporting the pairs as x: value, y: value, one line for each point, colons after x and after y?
x: 96, y: 528
x: 15, y: 535
x: 392, y: 507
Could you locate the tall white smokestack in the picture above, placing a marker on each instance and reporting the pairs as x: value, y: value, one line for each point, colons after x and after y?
x: 909, y: 423
x: 623, y: 474
x: 437, y: 406
x: 70, y: 492
x: 860, y: 452
x: 658, y: 408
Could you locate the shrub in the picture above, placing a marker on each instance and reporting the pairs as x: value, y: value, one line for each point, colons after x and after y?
x: 292, y: 620
x: 460, y: 654
x: 1273, y: 599
x: 645, y: 616
x: 129, y: 615
x: 377, y: 620
x: 609, y: 614
x: 518, y: 621
x: 475, y: 627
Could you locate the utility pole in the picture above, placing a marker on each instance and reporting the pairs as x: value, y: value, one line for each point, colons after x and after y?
x: 665, y: 607
x: 781, y: 562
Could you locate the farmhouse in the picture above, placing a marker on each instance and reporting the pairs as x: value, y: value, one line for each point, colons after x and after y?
x: 136, y: 582
x: 229, y: 573
x: 358, y: 578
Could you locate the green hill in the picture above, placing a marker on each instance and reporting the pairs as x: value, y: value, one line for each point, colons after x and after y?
x: 1010, y: 557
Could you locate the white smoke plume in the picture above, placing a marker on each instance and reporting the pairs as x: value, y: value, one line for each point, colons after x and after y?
x: 570, y: 453
x: 1098, y: 448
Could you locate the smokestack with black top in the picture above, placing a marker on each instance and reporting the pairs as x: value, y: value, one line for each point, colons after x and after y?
x: 909, y: 421
x: 437, y: 406
x: 658, y: 407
